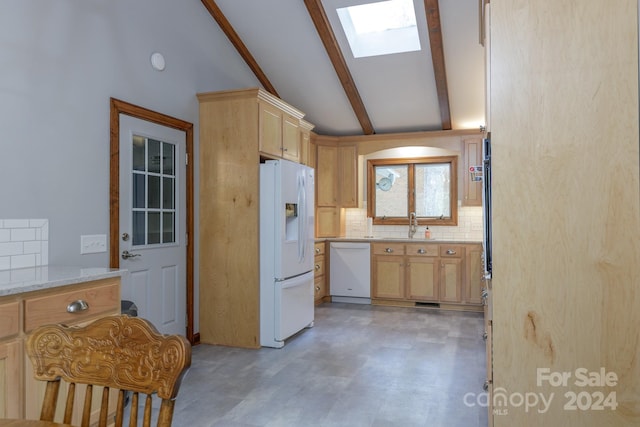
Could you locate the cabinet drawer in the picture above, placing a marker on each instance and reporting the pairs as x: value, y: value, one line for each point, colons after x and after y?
x: 451, y: 251
x: 318, y: 264
x: 319, y: 248
x: 9, y: 319
x: 55, y: 308
x: 387, y: 248
x: 319, y: 287
x: 423, y: 250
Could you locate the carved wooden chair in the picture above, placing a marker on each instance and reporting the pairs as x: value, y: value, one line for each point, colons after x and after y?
x: 120, y: 353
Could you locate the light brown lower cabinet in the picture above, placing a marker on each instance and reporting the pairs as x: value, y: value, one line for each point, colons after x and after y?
x: 426, y: 272
x: 20, y: 394
x: 319, y: 276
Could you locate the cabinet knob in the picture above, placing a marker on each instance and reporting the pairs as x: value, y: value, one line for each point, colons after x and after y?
x: 317, y: 288
x: 77, y: 306
x: 451, y: 252
x: 317, y: 266
x: 421, y: 251
x: 388, y: 250
x: 317, y: 250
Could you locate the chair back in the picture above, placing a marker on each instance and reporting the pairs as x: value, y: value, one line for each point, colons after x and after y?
x: 121, y: 353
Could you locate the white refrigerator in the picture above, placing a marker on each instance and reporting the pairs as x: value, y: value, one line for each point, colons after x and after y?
x: 286, y: 250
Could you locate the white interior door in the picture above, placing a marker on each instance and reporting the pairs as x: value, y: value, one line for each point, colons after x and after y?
x: 152, y: 221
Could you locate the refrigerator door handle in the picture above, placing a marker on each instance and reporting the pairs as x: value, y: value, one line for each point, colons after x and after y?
x: 301, y: 218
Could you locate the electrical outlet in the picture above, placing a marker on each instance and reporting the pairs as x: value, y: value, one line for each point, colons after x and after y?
x: 94, y: 243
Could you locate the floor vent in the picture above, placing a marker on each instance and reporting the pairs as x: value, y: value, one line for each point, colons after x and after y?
x: 428, y: 304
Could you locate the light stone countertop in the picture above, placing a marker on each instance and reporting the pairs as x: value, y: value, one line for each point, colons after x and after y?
x: 395, y: 240
x: 30, y: 279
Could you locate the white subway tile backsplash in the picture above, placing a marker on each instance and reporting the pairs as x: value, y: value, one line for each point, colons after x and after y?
x: 469, y: 226
x: 23, y: 234
x: 23, y: 261
x: 16, y: 223
x: 11, y: 248
x: 23, y: 243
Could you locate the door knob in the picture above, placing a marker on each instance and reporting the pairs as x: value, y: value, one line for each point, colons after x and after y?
x: 127, y: 255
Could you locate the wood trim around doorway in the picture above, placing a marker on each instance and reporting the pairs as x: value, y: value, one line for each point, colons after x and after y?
x: 121, y: 107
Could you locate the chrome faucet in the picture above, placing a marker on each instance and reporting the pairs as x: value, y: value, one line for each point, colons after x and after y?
x: 413, y: 224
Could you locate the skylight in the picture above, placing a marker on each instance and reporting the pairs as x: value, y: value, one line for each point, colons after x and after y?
x: 380, y: 28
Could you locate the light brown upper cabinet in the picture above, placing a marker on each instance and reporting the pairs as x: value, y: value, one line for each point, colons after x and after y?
x: 279, y: 126
x: 307, y: 155
x: 336, y: 184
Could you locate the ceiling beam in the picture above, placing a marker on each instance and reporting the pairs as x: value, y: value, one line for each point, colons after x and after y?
x: 437, y: 56
x: 226, y: 27
x: 320, y: 20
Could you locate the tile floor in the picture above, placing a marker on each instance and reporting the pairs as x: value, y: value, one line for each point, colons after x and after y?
x: 360, y: 365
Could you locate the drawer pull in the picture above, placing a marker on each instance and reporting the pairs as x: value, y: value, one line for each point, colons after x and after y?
x: 317, y: 288
x: 77, y: 306
x: 421, y: 251
x: 317, y: 267
x: 317, y: 250
x: 451, y: 252
x: 388, y: 250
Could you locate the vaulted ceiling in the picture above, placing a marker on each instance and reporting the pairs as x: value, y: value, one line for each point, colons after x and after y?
x: 298, y: 51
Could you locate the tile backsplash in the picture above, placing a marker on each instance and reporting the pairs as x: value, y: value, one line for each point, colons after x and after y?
x: 23, y: 243
x: 469, y: 226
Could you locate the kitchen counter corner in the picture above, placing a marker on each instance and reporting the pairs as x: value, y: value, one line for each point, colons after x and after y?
x: 20, y: 280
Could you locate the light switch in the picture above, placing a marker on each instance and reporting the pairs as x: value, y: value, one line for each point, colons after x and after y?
x: 93, y: 243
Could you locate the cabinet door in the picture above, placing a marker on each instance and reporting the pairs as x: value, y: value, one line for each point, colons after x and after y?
x: 307, y: 157
x: 326, y: 175
x: 472, y: 157
x: 422, y: 278
x: 10, y: 383
x: 473, y: 274
x: 290, y: 138
x: 270, y: 135
x: 348, y: 176
x: 388, y: 276
x: 327, y: 221
x: 450, y: 279
x: 320, y: 288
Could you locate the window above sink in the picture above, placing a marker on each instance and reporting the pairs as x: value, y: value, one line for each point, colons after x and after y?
x: 426, y: 185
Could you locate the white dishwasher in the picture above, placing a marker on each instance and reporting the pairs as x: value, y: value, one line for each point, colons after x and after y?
x: 350, y: 272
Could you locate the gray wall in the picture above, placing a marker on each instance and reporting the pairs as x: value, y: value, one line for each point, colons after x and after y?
x: 60, y: 62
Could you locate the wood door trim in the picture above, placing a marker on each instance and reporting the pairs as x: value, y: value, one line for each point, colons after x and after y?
x: 121, y: 107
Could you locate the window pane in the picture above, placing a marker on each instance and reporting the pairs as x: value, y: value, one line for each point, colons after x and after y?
x: 154, y: 155
x: 391, y: 191
x: 167, y: 158
x: 138, y: 191
x: 138, y: 153
x: 168, y: 227
x: 153, y: 192
x: 138, y: 229
x: 432, y: 190
x: 153, y: 233
x: 167, y: 193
